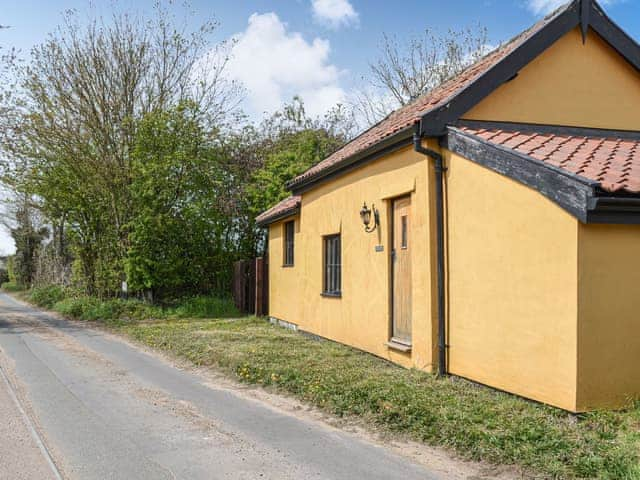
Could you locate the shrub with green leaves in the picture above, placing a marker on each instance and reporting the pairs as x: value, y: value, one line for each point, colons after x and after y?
x: 47, y: 296
x: 12, y: 287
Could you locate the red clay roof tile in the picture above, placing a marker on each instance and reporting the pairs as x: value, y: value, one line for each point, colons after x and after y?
x: 614, y: 162
x: 409, y: 115
x: 287, y: 206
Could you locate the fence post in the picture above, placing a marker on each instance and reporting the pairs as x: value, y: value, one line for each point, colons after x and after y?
x: 261, y: 286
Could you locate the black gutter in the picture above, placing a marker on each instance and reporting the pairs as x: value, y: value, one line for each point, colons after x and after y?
x: 439, y: 171
x: 614, y: 210
x: 280, y: 216
x: 389, y: 145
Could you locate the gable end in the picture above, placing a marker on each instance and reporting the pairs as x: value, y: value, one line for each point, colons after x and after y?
x: 583, y: 13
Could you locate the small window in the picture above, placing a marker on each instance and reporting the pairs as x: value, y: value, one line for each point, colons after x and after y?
x: 332, y: 266
x: 403, y: 220
x: 288, y: 243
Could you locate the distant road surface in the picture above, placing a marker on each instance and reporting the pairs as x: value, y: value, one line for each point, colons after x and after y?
x: 103, y: 409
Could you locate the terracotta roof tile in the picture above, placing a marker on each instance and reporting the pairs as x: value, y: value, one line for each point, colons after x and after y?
x: 596, y: 156
x: 409, y: 115
x: 286, y: 206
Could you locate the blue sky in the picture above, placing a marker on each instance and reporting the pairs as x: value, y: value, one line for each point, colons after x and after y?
x: 316, y: 48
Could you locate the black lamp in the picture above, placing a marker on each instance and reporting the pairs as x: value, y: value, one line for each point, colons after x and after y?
x: 365, y: 216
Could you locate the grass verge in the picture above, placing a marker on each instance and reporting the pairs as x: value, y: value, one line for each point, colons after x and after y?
x: 12, y: 287
x: 477, y: 422
x: 117, y: 311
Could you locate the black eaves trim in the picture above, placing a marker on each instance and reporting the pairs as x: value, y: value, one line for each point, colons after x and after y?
x: 280, y: 216
x: 614, y: 210
x: 580, y: 197
x: 611, y: 33
x: 568, y: 191
x: 586, y: 14
x: 434, y: 123
x: 401, y: 139
x: 583, y: 13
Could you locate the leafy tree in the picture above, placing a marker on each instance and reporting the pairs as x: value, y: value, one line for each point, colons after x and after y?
x: 291, y: 142
x: 183, y: 231
x: 69, y: 134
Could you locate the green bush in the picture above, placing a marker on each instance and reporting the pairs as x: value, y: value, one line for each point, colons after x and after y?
x: 47, y: 296
x: 83, y: 307
x: 206, y: 307
x: 94, y: 309
x: 75, y: 307
x: 12, y: 287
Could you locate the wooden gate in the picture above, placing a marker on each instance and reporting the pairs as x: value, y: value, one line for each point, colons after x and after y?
x: 251, y: 286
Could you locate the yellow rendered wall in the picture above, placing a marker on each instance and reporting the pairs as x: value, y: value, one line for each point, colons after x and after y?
x: 360, y: 318
x: 609, y: 315
x: 512, y: 286
x: 572, y: 84
x: 284, y: 294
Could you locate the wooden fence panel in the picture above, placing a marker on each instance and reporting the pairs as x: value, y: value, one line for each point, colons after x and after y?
x: 251, y: 286
x: 244, y: 278
x: 262, y: 286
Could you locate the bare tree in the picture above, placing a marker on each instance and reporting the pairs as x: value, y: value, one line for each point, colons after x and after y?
x: 405, y: 70
x: 28, y: 230
x: 68, y: 135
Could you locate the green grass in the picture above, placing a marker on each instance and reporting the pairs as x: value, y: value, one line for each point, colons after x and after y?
x: 476, y: 422
x: 205, y: 307
x: 82, y: 307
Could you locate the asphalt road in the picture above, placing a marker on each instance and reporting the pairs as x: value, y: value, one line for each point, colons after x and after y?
x: 107, y: 410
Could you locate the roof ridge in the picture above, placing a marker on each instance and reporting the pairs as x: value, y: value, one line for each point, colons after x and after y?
x: 431, y: 113
x: 502, y: 46
x: 405, y: 117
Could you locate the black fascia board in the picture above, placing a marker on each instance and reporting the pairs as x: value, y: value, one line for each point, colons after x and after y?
x: 585, y: 13
x: 567, y: 190
x: 582, y: 198
x: 434, y: 123
x: 280, y: 216
x: 611, y: 33
x: 400, y: 139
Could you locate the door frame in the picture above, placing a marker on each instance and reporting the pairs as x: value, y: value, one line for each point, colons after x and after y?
x: 390, y: 262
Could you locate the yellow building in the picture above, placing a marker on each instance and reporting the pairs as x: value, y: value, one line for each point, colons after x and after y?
x: 491, y: 229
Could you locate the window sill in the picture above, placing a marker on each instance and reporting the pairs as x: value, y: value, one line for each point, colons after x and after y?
x: 400, y: 347
x: 331, y: 295
x: 291, y: 265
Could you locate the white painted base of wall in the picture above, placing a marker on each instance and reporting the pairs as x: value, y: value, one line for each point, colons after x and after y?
x: 282, y: 323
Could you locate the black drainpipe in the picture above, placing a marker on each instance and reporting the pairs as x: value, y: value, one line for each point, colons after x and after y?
x: 439, y: 170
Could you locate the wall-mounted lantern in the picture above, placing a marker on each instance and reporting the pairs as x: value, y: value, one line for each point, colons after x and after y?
x: 365, y: 216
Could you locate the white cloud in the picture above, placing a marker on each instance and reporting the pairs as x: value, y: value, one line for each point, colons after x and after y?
x: 274, y: 65
x: 334, y: 12
x: 547, y: 6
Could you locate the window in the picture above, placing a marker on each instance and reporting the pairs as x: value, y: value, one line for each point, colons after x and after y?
x: 332, y: 266
x: 288, y: 243
x: 403, y: 221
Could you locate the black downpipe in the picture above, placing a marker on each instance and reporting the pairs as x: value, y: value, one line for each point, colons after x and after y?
x: 439, y: 171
